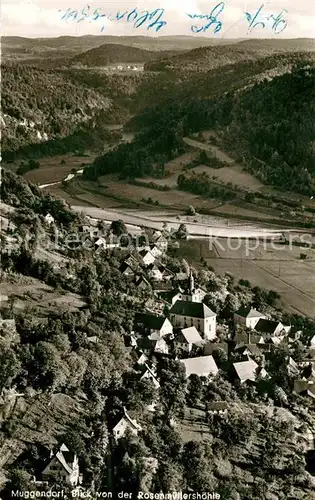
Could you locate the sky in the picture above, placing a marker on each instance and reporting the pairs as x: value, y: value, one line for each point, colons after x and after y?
x: 42, y: 18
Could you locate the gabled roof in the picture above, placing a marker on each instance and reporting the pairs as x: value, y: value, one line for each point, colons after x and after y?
x: 130, y: 421
x: 248, y: 312
x: 191, y: 309
x: 267, y: 326
x: 252, y: 348
x: 190, y: 335
x: 64, y: 457
x: 200, y: 366
x: 150, y: 321
x: 246, y: 370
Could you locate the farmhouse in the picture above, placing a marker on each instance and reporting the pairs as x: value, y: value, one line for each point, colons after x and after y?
x: 155, y: 273
x: 245, y: 338
x: 65, y: 464
x: 147, y: 257
x: 246, y: 370
x: 150, y: 345
x: 185, y: 314
x: 247, y: 317
x: 187, y: 338
x: 124, y: 424
x: 272, y: 328
x: 149, y: 323
x: 203, y: 366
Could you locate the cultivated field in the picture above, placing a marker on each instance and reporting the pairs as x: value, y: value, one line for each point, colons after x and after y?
x: 234, y: 175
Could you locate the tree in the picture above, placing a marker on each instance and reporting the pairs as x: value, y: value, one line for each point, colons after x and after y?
x: 173, y: 385
x: 182, y: 231
x: 10, y: 366
x: 195, y: 390
x: 118, y: 227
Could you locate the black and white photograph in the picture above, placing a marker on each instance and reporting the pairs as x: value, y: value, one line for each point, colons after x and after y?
x: 157, y: 216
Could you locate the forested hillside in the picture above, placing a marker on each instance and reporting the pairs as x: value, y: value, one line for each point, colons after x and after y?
x: 270, y: 126
x: 39, y: 105
x: 114, y: 53
x: 203, y: 59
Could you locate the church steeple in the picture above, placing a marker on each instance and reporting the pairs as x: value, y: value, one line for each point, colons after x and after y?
x: 191, y: 282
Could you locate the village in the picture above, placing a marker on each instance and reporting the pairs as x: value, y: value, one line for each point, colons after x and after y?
x: 178, y: 325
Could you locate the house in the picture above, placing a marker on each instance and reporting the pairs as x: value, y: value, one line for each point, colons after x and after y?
x: 305, y: 387
x: 155, y: 273
x: 64, y: 464
x: 247, y: 317
x: 245, y: 338
x: 149, y: 323
x: 124, y: 424
x: 203, y: 366
x: 150, y: 375
x: 156, y: 252
x: 160, y: 241
x: 292, y: 367
x: 246, y: 370
x: 187, y: 338
x: 312, y: 342
x: 251, y: 351
x: 150, y: 345
x: 49, y: 219
x: 131, y: 261
x: 147, y: 257
x: 141, y: 283
x: 271, y: 328
x: 185, y: 313
x: 126, y: 270
x: 89, y: 230
x: 160, y: 273
x: 100, y: 243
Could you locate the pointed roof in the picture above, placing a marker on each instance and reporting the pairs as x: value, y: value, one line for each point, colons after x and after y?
x: 248, y: 312
x: 190, y: 335
x: 267, y: 325
x: 191, y: 309
x: 150, y: 321
x: 201, y: 366
x: 246, y: 370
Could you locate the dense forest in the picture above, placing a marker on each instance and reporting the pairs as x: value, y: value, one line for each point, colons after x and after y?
x: 39, y: 105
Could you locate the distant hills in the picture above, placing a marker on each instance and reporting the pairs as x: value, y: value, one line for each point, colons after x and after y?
x: 15, y: 48
x: 114, y: 53
x: 207, y: 58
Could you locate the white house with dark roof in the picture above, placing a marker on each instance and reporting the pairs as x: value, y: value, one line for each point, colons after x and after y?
x: 271, y: 327
x: 203, y: 366
x: 150, y: 323
x: 187, y: 338
x: 147, y: 257
x: 186, y: 314
x: 63, y: 464
x: 126, y: 422
x: 247, y: 317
